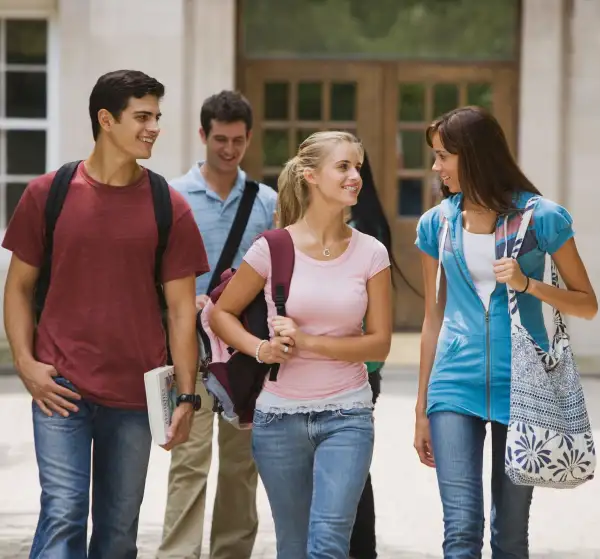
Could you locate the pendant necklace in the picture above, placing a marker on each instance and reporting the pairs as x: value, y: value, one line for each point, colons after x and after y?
x: 326, y: 251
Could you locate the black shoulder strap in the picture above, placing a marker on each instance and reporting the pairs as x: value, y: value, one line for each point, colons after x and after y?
x: 54, y: 205
x: 163, y: 213
x: 232, y: 244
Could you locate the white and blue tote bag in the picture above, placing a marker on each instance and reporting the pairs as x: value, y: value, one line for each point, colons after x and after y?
x: 549, y: 441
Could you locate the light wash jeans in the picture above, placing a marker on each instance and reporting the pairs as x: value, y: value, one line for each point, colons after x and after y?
x: 121, y: 450
x: 314, y: 467
x: 457, y: 441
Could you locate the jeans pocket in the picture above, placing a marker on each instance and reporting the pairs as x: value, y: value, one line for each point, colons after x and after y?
x: 262, y: 419
x: 355, y: 413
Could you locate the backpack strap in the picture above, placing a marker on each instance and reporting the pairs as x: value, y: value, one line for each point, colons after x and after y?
x: 163, y: 214
x: 234, y: 239
x: 54, y: 205
x: 283, y: 256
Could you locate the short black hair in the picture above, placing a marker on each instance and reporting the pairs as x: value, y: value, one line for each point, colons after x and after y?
x: 226, y: 106
x: 113, y: 91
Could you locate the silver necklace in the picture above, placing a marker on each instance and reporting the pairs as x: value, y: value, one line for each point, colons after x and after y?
x: 326, y: 251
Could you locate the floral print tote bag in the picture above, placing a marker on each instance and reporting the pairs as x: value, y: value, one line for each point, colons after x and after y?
x: 549, y: 441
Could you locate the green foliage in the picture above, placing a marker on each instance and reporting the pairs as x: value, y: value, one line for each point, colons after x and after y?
x: 418, y: 29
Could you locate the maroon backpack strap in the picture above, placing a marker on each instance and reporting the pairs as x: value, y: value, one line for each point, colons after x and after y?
x: 281, y: 248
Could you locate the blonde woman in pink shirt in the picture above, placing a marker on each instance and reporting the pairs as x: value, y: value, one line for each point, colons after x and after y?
x: 313, y: 428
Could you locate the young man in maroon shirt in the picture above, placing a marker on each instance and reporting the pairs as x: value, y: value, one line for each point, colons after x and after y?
x: 101, y: 327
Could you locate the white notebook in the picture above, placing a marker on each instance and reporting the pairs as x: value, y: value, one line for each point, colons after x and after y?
x: 161, y: 395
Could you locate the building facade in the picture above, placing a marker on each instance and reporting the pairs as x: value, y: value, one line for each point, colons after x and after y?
x: 376, y: 69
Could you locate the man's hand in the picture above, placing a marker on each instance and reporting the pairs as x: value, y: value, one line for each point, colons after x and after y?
x: 181, y: 425
x: 47, y: 394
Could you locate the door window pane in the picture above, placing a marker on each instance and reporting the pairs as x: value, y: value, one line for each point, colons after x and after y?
x: 270, y: 180
x: 411, y: 149
x: 26, y: 152
x: 445, y: 98
x: 411, y: 102
x: 275, y: 147
x: 276, y: 101
x: 343, y: 101
x: 302, y: 134
x: 480, y: 94
x: 309, y: 101
x: 26, y: 94
x: 410, y: 198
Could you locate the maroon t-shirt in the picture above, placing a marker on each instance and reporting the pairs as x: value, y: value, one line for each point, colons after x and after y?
x: 101, y: 325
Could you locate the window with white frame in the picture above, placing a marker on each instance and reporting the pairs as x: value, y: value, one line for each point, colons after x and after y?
x: 23, y: 108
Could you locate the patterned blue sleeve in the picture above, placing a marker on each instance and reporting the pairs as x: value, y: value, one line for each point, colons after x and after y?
x: 553, y: 225
x: 427, y: 232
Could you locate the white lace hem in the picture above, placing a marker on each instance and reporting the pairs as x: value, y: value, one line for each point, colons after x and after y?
x: 314, y: 407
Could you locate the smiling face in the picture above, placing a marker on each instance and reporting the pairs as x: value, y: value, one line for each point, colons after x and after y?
x: 445, y: 165
x: 226, y: 145
x: 337, y: 180
x: 136, y: 130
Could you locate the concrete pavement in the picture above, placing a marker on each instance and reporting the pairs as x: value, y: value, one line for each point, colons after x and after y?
x: 564, y: 524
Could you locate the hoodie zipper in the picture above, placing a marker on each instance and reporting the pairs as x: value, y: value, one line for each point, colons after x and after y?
x: 488, y: 370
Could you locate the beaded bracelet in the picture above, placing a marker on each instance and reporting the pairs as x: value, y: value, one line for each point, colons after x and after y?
x: 258, y: 350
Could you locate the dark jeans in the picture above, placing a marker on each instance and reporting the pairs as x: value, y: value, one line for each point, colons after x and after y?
x: 363, y: 543
x: 458, y: 450
x: 121, y: 449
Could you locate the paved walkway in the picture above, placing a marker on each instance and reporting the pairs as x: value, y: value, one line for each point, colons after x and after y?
x: 564, y: 523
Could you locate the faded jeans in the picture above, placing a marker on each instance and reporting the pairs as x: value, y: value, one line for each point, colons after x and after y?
x: 121, y: 443
x: 457, y: 441
x: 314, y: 467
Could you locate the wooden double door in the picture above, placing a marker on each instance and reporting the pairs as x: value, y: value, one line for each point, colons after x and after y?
x: 388, y: 105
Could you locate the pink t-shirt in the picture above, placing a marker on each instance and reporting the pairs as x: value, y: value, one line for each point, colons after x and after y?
x: 327, y: 298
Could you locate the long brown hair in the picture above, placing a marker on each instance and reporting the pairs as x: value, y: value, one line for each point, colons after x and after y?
x: 487, y: 171
x: 293, y: 192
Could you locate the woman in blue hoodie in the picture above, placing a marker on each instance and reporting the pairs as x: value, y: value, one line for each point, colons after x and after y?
x: 464, y: 379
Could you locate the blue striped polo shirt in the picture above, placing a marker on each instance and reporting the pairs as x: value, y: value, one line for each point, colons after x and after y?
x: 215, y: 216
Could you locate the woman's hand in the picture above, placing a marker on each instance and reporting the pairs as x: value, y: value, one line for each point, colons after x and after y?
x: 422, y: 442
x: 285, y: 326
x: 276, y: 350
x: 508, y: 271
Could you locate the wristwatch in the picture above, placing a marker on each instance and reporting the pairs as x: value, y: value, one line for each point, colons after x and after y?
x: 193, y: 399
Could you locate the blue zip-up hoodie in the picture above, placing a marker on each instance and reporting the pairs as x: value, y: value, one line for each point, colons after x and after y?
x: 471, y: 371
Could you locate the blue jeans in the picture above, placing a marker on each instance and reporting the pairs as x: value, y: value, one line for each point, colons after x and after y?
x: 458, y: 453
x: 121, y: 450
x: 314, y: 467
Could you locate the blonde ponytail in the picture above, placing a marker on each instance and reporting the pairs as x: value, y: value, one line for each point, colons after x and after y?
x: 293, y: 191
x: 292, y: 197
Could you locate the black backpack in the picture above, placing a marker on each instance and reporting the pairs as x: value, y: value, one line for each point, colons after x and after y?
x: 59, y: 189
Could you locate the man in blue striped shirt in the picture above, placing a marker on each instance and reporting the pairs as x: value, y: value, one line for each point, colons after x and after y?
x: 213, y: 189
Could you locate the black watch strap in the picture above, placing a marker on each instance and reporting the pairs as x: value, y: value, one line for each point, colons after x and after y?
x: 193, y: 399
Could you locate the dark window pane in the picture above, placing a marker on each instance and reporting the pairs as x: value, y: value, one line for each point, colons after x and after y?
x: 275, y: 147
x: 13, y: 195
x: 445, y: 98
x: 26, y: 41
x: 343, y: 101
x: 309, y: 101
x: 410, y: 199
x: 26, y: 152
x: 302, y: 134
x: 410, y: 149
x: 276, y: 101
x: 270, y: 180
x: 480, y: 94
x: 411, y: 102
x: 26, y: 94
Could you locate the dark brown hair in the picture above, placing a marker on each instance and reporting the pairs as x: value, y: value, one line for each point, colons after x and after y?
x: 487, y: 171
x: 226, y: 106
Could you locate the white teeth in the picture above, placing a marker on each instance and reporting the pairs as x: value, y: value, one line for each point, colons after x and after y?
x: 147, y: 140
x: 351, y: 188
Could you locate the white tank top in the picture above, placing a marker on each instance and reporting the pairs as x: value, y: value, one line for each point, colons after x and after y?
x: 480, y: 253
